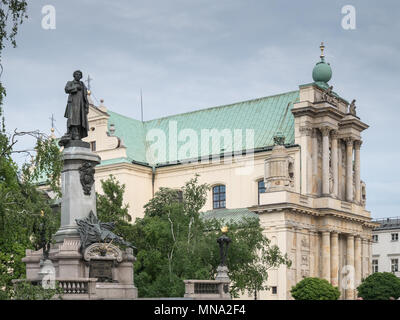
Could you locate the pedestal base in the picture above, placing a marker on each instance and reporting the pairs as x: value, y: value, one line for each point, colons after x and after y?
x: 222, y: 274
x: 72, y: 273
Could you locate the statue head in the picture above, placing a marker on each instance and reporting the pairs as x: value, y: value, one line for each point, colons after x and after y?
x: 77, y: 75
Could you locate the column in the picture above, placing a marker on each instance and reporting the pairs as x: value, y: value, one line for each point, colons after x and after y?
x: 325, y: 160
x: 326, y: 255
x: 349, y: 169
x: 307, y: 161
x: 335, y: 163
x: 350, y: 263
x: 315, y: 160
x: 335, y: 259
x: 317, y: 254
x: 364, y: 253
x: 369, y: 256
x: 357, y: 145
x: 298, y: 254
x: 357, y: 260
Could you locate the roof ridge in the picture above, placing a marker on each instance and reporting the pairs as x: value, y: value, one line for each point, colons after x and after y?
x: 221, y: 106
x: 205, y: 109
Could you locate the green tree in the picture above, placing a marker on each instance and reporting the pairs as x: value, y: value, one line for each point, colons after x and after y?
x: 379, y: 286
x: 175, y: 244
x: 314, y: 289
x: 110, y: 207
x: 26, y: 217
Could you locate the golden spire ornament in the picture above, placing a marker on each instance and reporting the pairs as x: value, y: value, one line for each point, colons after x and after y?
x: 322, y: 47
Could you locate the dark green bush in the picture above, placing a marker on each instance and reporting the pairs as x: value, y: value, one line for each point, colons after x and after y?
x: 380, y: 286
x: 314, y: 289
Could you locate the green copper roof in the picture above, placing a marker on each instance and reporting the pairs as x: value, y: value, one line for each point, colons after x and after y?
x: 265, y: 116
x: 228, y: 215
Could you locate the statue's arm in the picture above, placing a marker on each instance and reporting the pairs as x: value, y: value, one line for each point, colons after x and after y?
x: 70, y: 87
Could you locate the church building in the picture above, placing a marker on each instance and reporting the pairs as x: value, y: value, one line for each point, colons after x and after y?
x: 291, y: 159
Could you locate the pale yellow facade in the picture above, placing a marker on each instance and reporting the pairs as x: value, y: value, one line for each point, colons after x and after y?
x: 314, y: 204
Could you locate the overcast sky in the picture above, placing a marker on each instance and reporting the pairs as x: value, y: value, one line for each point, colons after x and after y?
x: 187, y: 55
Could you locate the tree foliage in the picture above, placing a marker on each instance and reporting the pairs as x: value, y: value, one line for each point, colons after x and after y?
x: 175, y: 244
x: 379, y: 286
x: 26, y: 217
x: 314, y: 289
x: 25, y: 290
x: 110, y: 207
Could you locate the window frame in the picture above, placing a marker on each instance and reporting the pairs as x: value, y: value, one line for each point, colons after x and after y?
x: 396, y: 236
x: 394, y: 262
x: 375, y: 265
x: 93, y: 145
x: 258, y: 189
x: 221, y: 202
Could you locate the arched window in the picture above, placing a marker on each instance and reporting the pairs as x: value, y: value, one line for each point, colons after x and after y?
x: 219, y: 198
x: 261, y: 189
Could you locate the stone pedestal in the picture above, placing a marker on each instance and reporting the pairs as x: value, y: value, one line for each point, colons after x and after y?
x: 78, y: 194
x: 72, y: 271
x: 222, y: 274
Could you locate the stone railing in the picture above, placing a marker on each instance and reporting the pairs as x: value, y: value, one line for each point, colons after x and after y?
x: 207, y: 289
x: 86, y: 286
x: 71, y: 289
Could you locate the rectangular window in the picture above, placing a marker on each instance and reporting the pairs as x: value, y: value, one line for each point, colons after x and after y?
x: 395, y: 237
x: 375, y: 238
x: 261, y: 189
x: 219, y: 197
x: 395, y: 265
x: 374, y: 265
x: 93, y: 145
x: 274, y: 290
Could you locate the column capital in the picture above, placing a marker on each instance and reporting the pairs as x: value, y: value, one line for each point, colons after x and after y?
x: 314, y: 132
x: 357, y: 144
x: 334, y: 234
x: 349, y: 140
x: 350, y: 236
x: 325, y: 130
x: 334, y: 134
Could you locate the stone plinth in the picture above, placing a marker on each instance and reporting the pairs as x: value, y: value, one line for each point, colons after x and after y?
x: 77, y: 183
x: 222, y: 274
x: 72, y: 271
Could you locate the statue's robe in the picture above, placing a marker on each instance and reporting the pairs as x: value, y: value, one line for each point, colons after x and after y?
x: 77, y: 107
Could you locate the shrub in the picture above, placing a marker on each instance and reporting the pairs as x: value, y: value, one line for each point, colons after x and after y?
x: 314, y: 289
x: 380, y: 286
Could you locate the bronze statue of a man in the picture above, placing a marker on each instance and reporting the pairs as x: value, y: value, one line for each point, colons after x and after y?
x: 76, y: 110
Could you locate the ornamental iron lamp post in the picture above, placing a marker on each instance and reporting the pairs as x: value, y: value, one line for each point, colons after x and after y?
x: 223, y: 242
